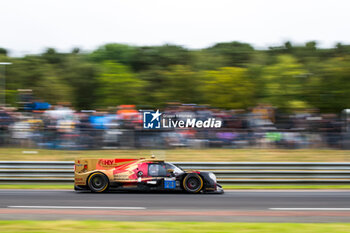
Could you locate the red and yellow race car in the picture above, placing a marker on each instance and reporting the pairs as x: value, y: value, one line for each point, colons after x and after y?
x: 100, y: 175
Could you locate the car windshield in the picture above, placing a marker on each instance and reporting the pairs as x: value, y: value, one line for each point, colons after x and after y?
x: 156, y: 169
x: 177, y: 170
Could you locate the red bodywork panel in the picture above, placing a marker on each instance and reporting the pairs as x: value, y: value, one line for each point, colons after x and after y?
x: 134, y: 167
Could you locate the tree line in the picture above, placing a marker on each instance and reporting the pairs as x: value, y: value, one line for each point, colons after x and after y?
x: 227, y: 75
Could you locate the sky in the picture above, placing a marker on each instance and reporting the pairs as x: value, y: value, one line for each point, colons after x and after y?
x: 31, y: 26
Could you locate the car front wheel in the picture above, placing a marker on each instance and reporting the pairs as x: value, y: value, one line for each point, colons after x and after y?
x: 193, y: 183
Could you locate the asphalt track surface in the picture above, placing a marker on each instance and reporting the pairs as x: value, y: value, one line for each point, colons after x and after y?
x: 238, y: 206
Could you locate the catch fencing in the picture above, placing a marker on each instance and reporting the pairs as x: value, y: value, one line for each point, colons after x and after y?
x: 226, y: 172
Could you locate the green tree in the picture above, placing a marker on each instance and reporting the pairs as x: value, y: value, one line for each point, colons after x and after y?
x: 235, y: 53
x: 81, y: 76
x: 33, y: 72
x: 119, y: 53
x: 3, y: 52
x: 228, y: 87
x: 52, y: 57
x: 204, y: 60
x: 118, y: 85
x: 180, y: 84
x: 160, y: 57
x: 329, y: 89
x: 283, y: 82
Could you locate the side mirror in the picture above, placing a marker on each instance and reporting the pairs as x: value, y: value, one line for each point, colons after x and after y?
x: 170, y: 171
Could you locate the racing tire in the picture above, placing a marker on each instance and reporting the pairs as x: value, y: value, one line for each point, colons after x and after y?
x: 192, y: 183
x: 98, y: 182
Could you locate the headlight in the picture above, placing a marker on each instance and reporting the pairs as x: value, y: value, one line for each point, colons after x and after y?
x: 212, y: 176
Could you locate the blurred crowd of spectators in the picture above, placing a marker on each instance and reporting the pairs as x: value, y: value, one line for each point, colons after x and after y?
x: 61, y: 127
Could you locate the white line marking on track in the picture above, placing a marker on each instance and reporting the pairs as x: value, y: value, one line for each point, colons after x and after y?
x: 79, y: 207
x: 309, y: 209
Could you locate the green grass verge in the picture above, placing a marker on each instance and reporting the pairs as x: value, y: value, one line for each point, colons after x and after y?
x: 227, y: 187
x: 229, y: 155
x: 187, y: 227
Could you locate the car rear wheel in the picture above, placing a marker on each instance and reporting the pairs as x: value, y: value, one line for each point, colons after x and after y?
x: 98, y: 182
x: 193, y: 183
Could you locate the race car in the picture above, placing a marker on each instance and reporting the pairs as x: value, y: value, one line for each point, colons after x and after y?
x: 100, y: 175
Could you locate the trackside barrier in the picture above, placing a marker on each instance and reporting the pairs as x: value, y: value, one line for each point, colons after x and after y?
x: 226, y: 172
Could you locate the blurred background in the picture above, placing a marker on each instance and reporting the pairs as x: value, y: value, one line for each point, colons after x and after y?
x: 75, y: 75
x: 289, y: 96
